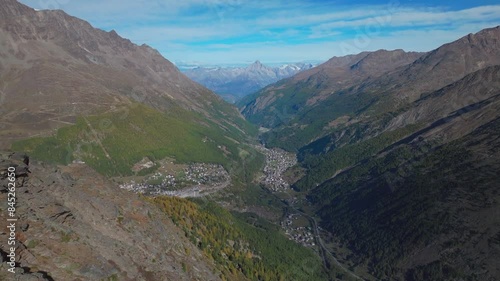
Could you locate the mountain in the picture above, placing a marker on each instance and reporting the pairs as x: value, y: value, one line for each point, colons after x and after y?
x: 397, y: 161
x: 427, y: 198
x: 312, y: 99
x: 336, y: 74
x: 58, y: 71
x: 232, y: 83
x: 98, y: 114
x: 352, y: 89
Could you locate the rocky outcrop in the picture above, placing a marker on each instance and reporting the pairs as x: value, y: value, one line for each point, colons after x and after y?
x: 74, y: 224
x: 19, y: 162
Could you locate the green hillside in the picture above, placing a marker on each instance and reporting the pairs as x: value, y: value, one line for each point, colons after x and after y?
x: 113, y: 142
x: 242, y: 243
x: 323, y: 166
x: 294, y: 124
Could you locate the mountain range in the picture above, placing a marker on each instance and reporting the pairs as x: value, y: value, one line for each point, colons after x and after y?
x: 394, y: 161
x: 233, y: 83
x: 398, y: 156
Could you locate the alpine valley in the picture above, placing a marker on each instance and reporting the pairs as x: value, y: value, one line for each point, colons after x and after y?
x: 398, y: 156
x: 95, y: 112
x: 380, y: 165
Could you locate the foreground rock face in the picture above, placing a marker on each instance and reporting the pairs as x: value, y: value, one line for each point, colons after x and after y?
x: 74, y: 224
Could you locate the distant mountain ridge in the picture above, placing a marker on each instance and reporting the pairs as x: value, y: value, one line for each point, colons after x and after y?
x: 233, y: 83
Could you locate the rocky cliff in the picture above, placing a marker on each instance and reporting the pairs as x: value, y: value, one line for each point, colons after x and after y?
x: 74, y: 224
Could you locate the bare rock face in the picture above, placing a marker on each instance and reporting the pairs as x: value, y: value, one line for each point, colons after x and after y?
x: 19, y: 162
x: 74, y: 224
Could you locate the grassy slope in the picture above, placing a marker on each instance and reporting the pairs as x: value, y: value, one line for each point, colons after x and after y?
x: 112, y: 142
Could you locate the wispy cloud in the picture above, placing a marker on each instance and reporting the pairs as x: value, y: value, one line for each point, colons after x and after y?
x: 315, y: 51
x: 181, y: 33
x: 416, y: 18
x: 235, y: 31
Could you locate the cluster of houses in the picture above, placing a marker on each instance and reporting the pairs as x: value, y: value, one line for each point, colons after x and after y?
x: 277, y: 162
x: 206, y: 174
x: 193, y: 179
x: 300, y: 234
x: 148, y: 189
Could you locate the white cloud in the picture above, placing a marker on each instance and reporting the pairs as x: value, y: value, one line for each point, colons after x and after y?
x: 186, y: 34
x: 293, y: 18
x: 415, y: 18
x: 409, y: 40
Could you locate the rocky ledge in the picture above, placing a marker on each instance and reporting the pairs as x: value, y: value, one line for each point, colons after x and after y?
x: 73, y: 224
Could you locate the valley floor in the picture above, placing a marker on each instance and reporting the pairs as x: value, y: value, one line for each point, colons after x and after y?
x: 203, y: 179
x: 299, y: 226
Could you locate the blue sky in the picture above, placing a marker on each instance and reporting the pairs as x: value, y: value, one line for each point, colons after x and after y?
x: 234, y: 32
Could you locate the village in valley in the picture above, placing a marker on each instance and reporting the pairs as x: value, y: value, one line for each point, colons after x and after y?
x: 296, y: 227
x: 295, y: 230
x: 277, y: 162
x: 181, y: 180
x: 201, y: 179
